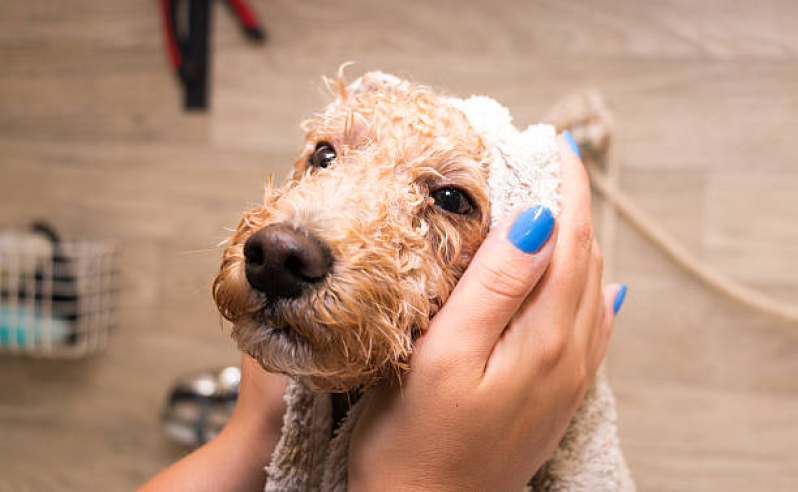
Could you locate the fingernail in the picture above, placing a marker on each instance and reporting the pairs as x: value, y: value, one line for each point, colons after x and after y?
x: 531, y: 229
x: 571, y: 142
x: 619, y: 297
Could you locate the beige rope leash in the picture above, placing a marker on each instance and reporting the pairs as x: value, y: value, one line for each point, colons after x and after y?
x: 593, y: 127
x: 682, y: 256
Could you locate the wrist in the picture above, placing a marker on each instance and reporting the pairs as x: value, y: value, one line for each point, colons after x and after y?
x: 260, y: 407
x: 255, y: 425
x: 245, y: 437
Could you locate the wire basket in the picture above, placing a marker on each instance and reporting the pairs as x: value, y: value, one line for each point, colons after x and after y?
x: 57, y: 299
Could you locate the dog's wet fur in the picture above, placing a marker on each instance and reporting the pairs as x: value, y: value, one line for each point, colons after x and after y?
x: 401, y: 208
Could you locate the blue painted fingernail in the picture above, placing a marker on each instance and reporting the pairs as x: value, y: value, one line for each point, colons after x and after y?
x: 571, y: 142
x: 531, y: 229
x: 619, y: 297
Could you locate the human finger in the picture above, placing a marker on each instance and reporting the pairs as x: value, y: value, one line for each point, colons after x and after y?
x: 591, y: 302
x: 576, y: 226
x: 614, y: 295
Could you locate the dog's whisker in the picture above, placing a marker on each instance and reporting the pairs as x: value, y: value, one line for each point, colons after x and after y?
x: 199, y: 251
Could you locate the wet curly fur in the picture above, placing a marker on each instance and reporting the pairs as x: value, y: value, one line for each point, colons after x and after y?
x: 396, y: 255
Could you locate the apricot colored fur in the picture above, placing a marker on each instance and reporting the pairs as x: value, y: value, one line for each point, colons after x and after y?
x: 396, y: 256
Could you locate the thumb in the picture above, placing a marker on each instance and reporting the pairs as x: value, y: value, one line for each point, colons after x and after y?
x: 505, y: 269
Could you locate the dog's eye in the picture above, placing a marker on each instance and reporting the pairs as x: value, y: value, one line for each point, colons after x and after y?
x: 323, y: 155
x: 452, y: 200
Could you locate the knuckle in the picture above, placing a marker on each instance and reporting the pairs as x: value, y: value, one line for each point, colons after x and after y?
x: 580, y: 381
x: 497, y: 278
x: 442, y: 365
x: 584, y: 235
x: 553, y: 350
x: 451, y: 368
x: 598, y: 256
x: 443, y: 357
x: 446, y: 370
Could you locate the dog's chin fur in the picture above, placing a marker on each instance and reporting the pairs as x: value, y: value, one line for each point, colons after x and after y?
x: 396, y: 256
x: 285, y: 351
x: 322, y: 359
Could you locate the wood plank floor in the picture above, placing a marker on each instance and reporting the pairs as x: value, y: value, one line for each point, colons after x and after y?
x: 93, y: 138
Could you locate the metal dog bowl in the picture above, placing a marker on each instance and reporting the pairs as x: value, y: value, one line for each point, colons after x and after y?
x: 199, y: 406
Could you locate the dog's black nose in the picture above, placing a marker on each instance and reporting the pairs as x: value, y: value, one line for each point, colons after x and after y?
x: 281, y: 260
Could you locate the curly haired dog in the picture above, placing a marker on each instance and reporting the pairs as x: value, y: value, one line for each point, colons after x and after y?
x: 332, y: 278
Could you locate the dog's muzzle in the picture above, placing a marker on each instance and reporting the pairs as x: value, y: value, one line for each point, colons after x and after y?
x: 281, y: 261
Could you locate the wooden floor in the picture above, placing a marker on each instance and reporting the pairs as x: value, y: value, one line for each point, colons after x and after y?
x: 93, y: 138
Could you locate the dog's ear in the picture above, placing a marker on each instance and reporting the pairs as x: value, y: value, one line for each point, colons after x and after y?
x: 376, y: 82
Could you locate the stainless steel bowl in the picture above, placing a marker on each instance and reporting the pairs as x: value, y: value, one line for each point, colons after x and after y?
x: 199, y: 406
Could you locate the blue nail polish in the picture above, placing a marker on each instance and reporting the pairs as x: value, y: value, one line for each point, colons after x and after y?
x: 571, y: 143
x: 531, y: 229
x: 619, y: 297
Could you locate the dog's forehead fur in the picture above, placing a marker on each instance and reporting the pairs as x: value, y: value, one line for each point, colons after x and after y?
x: 399, y: 127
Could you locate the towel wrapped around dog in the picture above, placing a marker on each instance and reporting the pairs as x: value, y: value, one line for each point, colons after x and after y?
x: 524, y: 169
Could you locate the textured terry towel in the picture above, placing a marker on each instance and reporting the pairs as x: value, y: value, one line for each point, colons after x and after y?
x: 524, y: 169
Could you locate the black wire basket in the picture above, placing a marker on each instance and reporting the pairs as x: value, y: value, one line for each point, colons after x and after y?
x: 57, y: 299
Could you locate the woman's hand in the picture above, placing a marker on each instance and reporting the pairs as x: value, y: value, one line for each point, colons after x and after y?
x: 499, y: 374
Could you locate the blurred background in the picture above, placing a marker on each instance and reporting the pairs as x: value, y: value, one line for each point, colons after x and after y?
x: 94, y: 139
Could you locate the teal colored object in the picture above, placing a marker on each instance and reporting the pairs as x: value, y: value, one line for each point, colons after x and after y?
x: 23, y: 327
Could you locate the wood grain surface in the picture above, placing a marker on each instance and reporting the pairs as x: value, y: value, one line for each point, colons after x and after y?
x: 93, y: 138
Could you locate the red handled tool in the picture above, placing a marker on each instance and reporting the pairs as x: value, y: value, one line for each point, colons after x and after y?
x: 186, y: 25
